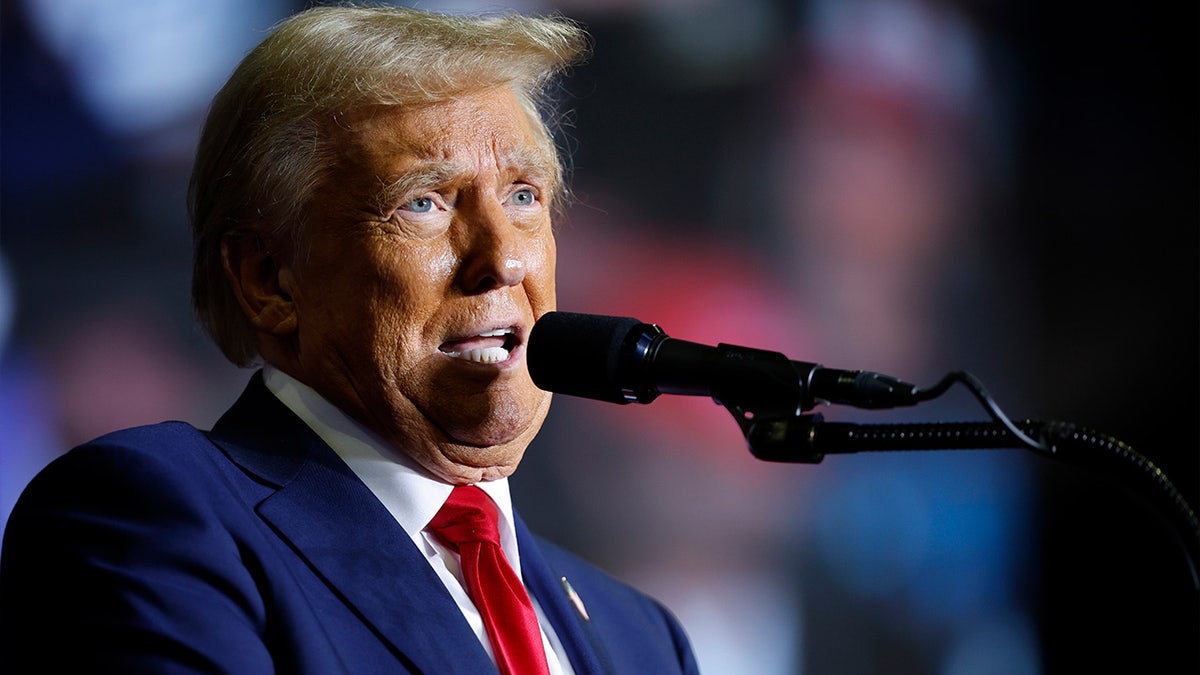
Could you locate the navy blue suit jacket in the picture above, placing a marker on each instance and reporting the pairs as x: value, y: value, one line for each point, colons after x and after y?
x: 254, y: 549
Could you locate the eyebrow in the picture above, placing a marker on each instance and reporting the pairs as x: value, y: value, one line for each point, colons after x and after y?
x: 424, y: 176
x: 432, y: 174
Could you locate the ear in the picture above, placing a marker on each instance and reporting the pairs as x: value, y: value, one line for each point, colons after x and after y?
x: 262, y: 286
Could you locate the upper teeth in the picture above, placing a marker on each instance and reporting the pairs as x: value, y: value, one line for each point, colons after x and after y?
x: 496, y: 333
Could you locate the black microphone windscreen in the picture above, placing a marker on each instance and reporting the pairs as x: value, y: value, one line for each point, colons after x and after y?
x: 578, y: 354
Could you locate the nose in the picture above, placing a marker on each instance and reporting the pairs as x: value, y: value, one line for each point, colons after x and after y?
x: 493, y: 254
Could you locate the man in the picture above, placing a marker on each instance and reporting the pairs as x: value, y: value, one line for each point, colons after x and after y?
x: 371, y: 205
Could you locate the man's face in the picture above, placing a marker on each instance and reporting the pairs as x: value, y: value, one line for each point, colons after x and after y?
x: 431, y: 256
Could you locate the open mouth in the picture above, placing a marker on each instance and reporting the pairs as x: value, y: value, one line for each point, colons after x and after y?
x: 494, y: 346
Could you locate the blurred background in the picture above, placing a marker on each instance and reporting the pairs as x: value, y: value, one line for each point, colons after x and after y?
x: 907, y: 186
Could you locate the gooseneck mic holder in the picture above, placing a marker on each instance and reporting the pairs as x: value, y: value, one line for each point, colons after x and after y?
x: 807, y: 438
x: 622, y: 360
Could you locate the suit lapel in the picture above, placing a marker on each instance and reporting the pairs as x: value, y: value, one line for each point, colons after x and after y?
x: 588, y: 656
x: 333, y: 521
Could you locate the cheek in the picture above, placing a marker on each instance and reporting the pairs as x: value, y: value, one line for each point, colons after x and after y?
x: 540, y: 275
x: 402, y: 294
x: 415, y: 278
x: 435, y: 265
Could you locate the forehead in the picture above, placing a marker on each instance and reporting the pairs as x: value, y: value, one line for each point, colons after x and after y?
x: 483, y: 127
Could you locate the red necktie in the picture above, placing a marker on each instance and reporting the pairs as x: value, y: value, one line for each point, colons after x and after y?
x: 467, y: 524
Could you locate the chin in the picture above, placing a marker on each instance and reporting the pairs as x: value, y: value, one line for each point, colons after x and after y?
x: 496, y: 423
x: 461, y: 465
x: 486, y: 443
x: 490, y: 443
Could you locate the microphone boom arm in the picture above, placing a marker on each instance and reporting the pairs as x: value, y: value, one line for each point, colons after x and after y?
x: 773, y: 435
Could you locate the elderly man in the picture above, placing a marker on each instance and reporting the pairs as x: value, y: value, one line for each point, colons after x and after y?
x: 371, y: 206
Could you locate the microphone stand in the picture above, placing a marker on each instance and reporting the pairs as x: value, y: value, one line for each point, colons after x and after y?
x: 778, y: 429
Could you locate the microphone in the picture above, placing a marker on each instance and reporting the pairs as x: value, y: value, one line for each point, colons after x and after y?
x: 623, y: 360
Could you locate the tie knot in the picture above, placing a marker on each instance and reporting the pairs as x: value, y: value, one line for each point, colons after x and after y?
x: 467, y: 516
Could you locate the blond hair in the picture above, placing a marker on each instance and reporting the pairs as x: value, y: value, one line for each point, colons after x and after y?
x: 265, y: 145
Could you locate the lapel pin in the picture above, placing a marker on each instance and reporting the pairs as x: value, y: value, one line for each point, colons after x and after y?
x: 575, y: 599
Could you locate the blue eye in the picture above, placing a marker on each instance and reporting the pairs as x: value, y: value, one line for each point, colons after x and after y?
x: 420, y: 205
x: 523, y: 197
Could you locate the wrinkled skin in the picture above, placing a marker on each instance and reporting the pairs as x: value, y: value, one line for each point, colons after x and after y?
x: 434, y: 230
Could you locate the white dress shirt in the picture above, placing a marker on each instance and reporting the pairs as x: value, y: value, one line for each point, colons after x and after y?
x: 413, y: 497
